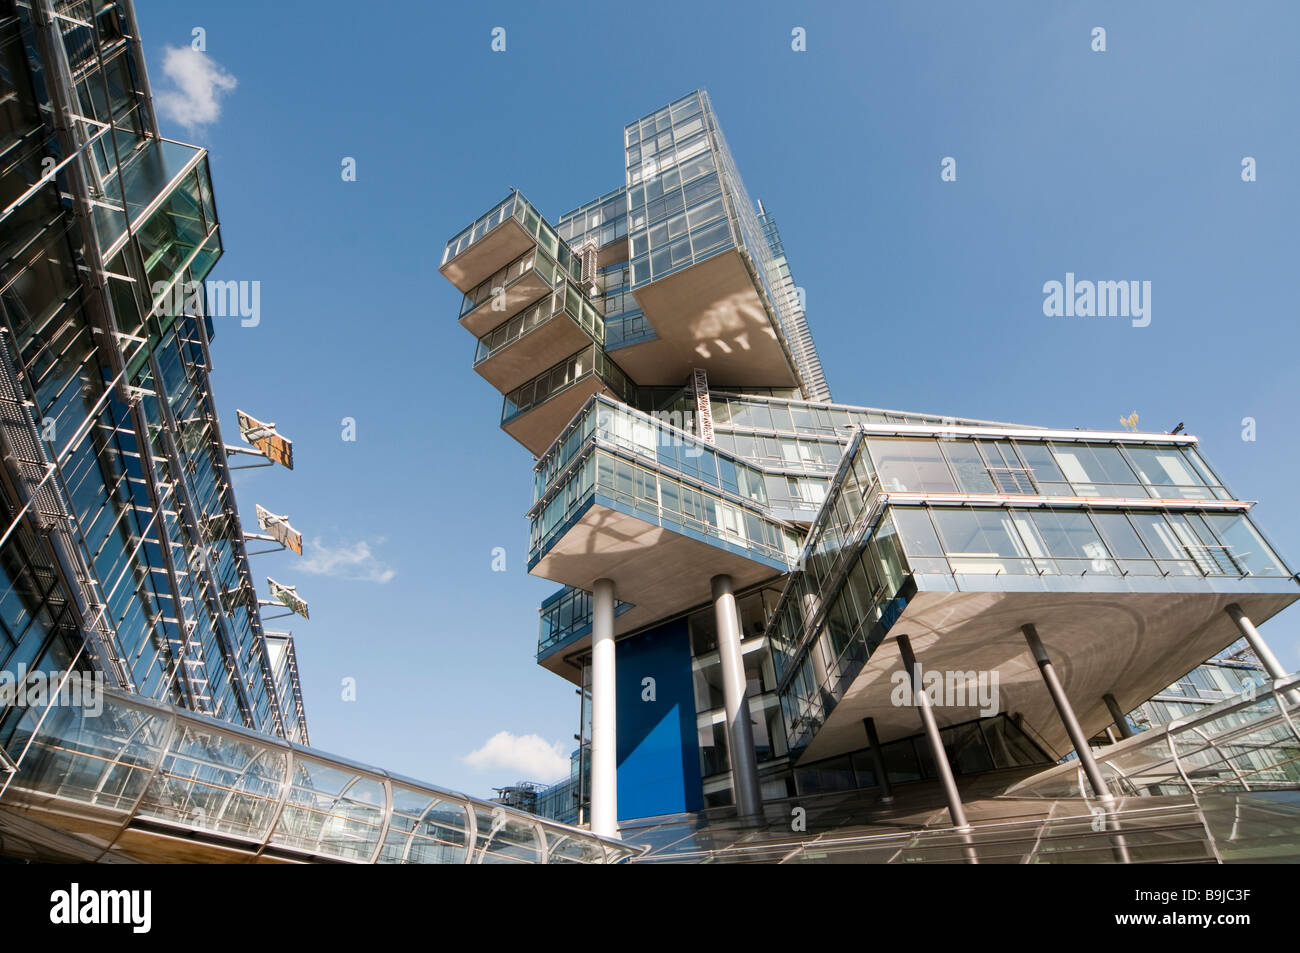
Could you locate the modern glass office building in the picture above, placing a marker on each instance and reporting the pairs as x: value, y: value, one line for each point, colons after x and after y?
x: 122, y: 550
x: 746, y: 564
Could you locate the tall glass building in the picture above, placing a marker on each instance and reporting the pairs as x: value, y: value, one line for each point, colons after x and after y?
x: 746, y: 565
x: 122, y: 551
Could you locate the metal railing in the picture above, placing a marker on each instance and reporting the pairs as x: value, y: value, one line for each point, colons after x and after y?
x: 1248, y: 742
x: 138, y: 767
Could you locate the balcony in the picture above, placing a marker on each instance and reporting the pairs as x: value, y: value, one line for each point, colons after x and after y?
x: 654, y: 509
x: 541, y: 335
x: 535, y: 412
x: 564, y: 622
x: 509, y: 230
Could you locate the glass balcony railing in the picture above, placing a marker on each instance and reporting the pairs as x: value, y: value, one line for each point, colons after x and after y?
x: 516, y: 207
x: 534, y: 261
x: 631, y: 462
x: 567, y: 301
x: 588, y: 362
x: 565, y: 617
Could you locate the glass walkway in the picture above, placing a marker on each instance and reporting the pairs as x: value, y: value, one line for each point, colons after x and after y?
x: 142, y: 781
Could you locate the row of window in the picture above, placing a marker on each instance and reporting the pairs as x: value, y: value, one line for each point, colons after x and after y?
x: 1074, y: 542
x: 1001, y: 466
x: 544, y: 386
x: 658, y: 498
x: 738, y: 413
x: 568, y: 300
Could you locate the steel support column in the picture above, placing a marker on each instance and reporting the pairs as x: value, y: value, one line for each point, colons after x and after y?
x: 740, y: 733
x: 1066, y: 711
x: 1073, y: 729
x: 1256, y: 641
x: 1117, y: 715
x: 922, y: 702
x: 604, y: 715
x: 878, y: 761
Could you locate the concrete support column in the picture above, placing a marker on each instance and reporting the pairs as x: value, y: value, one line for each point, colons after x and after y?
x: 922, y: 701
x: 1066, y: 711
x: 604, y: 716
x: 878, y: 761
x: 740, y: 733
x: 1117, y: 715
x: 1256, y: 641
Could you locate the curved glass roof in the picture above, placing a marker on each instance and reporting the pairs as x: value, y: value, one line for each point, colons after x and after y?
x: 140, y: 767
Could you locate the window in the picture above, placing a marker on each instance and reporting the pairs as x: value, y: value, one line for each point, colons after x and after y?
x: 1246, y: 546
x: 1159, y: 538
x: 1073, y: 540
x: 1123, y: 541
x: 916, y: 532
x: 910, y: 464
x: 1097, y: 470
x: 982, y: 541
x: 972, y: 474
x: 1168, y: 473
x: 1038, y: 457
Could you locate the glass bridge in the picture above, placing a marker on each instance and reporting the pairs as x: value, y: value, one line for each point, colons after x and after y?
x: 143, y: 781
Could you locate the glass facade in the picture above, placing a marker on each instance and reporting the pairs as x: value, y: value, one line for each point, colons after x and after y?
x: 989, y: 744
x: 567, y: 302
x: 919, y: 512
x: 122, y: 551
x: 602, y: 221
x: 589, y: 362
x: 628, y: 461
x: 565, y: 616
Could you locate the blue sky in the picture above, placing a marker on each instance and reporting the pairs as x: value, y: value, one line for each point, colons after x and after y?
x: 922, y: 294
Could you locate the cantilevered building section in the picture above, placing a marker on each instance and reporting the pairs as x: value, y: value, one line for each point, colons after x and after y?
x: 747, y: 567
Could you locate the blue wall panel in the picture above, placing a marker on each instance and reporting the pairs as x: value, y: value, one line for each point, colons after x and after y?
x: 658, y: 751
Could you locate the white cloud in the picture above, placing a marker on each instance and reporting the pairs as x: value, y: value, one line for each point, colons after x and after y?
x: 200, y: 83
x: 351, y: 561
x: 527, y: 757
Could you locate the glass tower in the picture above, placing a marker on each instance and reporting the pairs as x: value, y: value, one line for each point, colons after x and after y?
x: 122, y: 552
x: 745, y: 563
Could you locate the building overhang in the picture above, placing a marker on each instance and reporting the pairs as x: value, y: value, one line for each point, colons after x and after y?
x: 515, y: 296
x: 1129, y: 644
x: 711, y: 316
x: 497, y: 248
x: 662, y: 572
x: 544, y: 346
x: 537, y: 427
